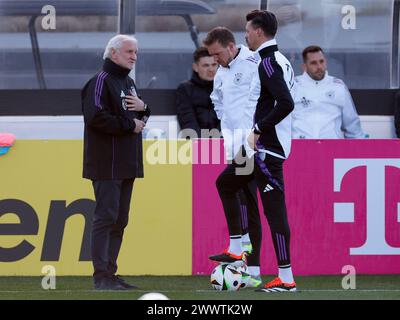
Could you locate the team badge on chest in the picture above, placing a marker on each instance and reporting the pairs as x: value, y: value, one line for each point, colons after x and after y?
x: 238, y: 78
x: 330, y: 94
x: 123, y: 100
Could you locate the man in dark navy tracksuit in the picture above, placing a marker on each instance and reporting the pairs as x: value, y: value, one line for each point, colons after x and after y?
x: 114, y: 116
x: 271, y: 137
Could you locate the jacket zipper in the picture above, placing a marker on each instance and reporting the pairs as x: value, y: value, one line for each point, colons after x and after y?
x: 113, y: 154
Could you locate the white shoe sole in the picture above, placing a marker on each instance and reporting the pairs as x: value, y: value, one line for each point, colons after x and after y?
x: 273, y: 290
x: 239, y: 263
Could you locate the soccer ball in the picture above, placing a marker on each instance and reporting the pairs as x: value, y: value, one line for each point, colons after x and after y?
x: 153, y: 296
x: 245, y: 276
x: 226, y: 277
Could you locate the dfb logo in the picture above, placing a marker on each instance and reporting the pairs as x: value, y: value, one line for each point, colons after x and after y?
x: 375, y: 243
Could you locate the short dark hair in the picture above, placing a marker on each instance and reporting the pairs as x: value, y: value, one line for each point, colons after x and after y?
x: 311, y: 49
x: 265, y: 20
x: 219, y: 34
x: 200, y: 53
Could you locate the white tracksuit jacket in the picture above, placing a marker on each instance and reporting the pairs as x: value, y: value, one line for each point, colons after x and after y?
x: 230, y: 98
x: 324, y: 110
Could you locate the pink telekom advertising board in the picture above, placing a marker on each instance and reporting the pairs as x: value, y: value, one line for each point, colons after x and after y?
x: 343, y: 201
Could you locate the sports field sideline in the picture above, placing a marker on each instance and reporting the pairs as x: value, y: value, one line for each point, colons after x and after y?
x: 371, y: 287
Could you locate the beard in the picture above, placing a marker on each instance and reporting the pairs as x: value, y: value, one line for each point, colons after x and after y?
x: 318, y: 76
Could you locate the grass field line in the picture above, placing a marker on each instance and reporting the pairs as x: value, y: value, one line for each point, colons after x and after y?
x: 187, y: 291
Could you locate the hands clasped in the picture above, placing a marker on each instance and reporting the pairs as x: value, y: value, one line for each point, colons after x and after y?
x: 133, y: 103
x: 139, y: 125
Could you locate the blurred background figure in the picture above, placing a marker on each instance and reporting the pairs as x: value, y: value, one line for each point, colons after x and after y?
x: 324, y: 108
x: 194, y: 107
x: 397, y: 113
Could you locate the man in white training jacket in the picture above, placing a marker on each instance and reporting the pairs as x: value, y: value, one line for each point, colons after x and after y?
x: 230, y: 97
x: 324, y: 108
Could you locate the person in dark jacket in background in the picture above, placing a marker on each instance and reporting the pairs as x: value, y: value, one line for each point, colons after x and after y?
x: 114, y: 116
x: 194, y: 107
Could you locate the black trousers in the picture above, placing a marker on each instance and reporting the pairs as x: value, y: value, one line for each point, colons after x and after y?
x: 268, y: 175
x: 268, y: 171
x: 111, y: 215
x: 239, y: 200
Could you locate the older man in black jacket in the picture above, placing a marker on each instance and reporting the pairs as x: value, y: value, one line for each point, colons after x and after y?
x: 114, y: 116
x: 194, y: 107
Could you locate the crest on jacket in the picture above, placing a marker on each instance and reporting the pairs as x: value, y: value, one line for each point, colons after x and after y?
x: 122, y: 95
x: 305, y: 102
x: 238, y: 78
x: 330, y: 94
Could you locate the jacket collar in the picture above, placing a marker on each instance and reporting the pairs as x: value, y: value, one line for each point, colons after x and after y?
x: 114, y: 69
x: 267, y: 47
x: 266, y: 44
x: 241, y: 55
x: 310, y: 80
x: 200, y: 82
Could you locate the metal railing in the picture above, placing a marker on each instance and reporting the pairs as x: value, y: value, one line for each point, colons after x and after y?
x: 127, y: 10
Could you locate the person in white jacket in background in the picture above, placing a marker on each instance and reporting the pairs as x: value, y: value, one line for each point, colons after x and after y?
x: 230, y: 97
x: 324, y: 108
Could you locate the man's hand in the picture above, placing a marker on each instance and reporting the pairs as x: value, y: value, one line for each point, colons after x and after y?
x: 133, y: 103
x: 252, y: 140
x: 139, y: 126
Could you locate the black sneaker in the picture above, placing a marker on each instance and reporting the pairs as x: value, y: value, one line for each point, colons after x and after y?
x: 108, y: 284
x: 123, y: 283
x: 227, y: 257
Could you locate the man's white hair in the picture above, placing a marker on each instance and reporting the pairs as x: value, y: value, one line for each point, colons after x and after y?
x: 116, y: 43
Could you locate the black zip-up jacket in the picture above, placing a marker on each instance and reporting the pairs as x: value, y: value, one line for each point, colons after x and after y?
x: 194, y: 107
x: 275, y: 102
x: 112, y: 150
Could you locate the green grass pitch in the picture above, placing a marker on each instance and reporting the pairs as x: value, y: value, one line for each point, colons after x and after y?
x: 373, y: 287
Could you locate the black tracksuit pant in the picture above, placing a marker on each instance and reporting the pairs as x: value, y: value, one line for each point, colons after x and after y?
x: 268, y: 175
x: 113, y: 199
x: 239, y: 199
